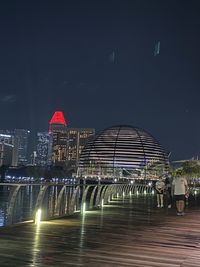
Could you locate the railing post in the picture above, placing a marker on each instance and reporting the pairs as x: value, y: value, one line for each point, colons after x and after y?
x: 58, y: 204
x: 12, y: 205
x: 39, y: 200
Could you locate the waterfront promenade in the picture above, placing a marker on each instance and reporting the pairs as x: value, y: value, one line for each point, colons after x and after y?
x: 127, y: 232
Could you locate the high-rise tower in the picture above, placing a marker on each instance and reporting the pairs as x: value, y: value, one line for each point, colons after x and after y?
x: 57, y: 121
x: 42, y: 148
x: 58, y: 138
x: 21, y: 145
x: 67, y: 143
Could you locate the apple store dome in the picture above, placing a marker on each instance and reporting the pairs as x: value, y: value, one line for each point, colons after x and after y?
x: 123, y: 151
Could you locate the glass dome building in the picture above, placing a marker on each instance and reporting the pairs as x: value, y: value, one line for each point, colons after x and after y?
x: 123, y: 151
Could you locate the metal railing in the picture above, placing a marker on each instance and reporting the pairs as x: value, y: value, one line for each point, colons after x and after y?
x: 22, y: 202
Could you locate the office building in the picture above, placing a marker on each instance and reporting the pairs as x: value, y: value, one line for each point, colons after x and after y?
x: 41, y: 155
x: 6, y: 149
x: 67, y: 143
x: 21, y: 143
x: 77, y: 138
x: 58, y: 139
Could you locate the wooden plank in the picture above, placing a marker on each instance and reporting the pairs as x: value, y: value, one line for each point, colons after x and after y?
x: 124, y: 233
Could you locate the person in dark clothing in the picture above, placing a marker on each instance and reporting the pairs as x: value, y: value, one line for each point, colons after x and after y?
x: 168, y: 188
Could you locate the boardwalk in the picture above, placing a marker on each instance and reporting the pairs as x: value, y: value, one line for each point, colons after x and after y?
x: 125, y: 233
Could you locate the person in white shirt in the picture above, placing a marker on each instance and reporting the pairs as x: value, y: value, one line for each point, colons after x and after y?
x: 160, y: 186
x: 180, y: 190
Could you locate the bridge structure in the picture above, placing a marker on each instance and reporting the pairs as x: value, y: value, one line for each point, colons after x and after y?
x: 96, y: 225
x: 35, y: 202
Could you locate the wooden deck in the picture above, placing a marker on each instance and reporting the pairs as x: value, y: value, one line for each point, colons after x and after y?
x: 125, y: 233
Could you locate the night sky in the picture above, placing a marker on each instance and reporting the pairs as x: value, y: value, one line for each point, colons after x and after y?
x: 94, y: 60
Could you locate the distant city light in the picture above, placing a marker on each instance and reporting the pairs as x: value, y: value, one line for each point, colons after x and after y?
x: 5, y: 135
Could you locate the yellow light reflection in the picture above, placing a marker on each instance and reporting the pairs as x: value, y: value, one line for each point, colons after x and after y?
x: 35, y: 248
x: 38, y: 216
x: 84, y: 207
x: 82, y: 233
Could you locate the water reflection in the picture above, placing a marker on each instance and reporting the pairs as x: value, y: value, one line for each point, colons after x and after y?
x: 2, y: 217
x: 36, y: 246
x: 3, y: 205
x: 82, y: 233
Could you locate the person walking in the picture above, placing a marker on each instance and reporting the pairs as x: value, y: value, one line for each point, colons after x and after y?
x: 180, y: 190
x: 160, y: 186
x: 168, y: 190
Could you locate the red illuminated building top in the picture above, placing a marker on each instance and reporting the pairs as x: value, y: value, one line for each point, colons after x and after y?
x: 58, y: 119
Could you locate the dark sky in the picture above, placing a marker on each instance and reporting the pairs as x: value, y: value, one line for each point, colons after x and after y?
x: 94, y: 60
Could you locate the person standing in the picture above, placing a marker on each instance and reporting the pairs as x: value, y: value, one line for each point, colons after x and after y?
x: 160, y: 186
x: 180, y: 190
x: 168, y: 188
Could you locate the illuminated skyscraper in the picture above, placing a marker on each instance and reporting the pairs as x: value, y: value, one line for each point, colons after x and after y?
x: 58, y: 138
x: 21, y: 137
x: 8, y: 152
x: 6, y: 149
x: 42, y: 148
x: 76, y: 140
x: 18, y: 140
x: 67, y: 143
x: 57, y: 121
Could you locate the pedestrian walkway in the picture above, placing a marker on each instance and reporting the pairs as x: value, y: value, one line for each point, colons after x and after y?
x: 128, y: 232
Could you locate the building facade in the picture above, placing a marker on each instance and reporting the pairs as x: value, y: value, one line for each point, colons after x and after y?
x: 42, y: 149
x: 21, y: 142
x: 123, y: 151
x: 66, y: 143
x: 77, y: 138
x: 6, y: 149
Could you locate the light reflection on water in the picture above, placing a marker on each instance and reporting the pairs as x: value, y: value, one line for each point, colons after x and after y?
x: 3, y: 206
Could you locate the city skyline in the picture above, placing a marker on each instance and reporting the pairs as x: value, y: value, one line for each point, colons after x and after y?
x: 103, y: 64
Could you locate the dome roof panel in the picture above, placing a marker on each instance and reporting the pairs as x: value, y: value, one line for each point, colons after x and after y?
x: 121, y: 147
